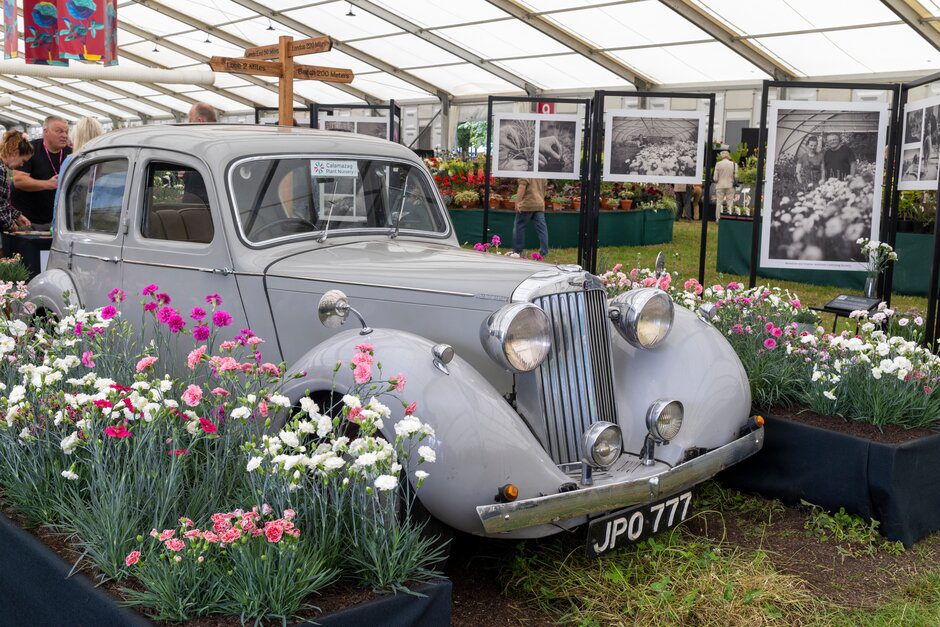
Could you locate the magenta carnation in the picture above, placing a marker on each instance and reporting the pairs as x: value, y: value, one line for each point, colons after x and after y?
x: 201, y: 333
x: 221, y: 318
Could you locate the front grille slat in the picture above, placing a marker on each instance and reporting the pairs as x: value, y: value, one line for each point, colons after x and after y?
x: 576, y: 380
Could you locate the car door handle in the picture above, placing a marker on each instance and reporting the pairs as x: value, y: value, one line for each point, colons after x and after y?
x: 222, y: 271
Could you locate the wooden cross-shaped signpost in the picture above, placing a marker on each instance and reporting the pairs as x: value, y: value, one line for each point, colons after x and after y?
x: 278, y: 60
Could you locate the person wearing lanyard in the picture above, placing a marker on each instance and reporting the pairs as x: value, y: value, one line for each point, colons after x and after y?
x: 36, y: 181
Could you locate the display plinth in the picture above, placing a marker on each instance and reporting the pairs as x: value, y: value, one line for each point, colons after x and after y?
x: 32, y: 247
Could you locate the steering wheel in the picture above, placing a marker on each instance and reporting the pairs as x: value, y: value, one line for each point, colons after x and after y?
x: 271, y: 225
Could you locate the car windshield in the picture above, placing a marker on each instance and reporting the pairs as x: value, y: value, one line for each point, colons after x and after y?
x: 281, y: 197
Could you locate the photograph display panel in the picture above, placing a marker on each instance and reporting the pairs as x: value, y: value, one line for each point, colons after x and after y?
x: 642, y: 146
x: 363, y: 125
x: 920, y: 152
x: 825, y: 165
x: 533, y: 145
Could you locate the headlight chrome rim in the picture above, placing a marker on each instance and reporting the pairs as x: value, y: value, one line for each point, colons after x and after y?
x: 643, y: 317
x: 518, y: 337
x: 599, y: 435
x: 659, y: 412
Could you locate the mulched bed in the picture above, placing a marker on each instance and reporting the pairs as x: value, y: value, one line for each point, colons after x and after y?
x: 887, y: 434
x: 849, y: 576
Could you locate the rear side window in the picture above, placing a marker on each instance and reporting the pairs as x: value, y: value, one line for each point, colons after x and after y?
x: 176, y: 205
x: 96, y: 196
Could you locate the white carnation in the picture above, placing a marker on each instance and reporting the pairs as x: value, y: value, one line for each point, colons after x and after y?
x: 408, y: 426
x: 289, y: 438
x: 280, y: 400
x: 69, y: 443
x: 386, y: 482
x: 427, y: 454
x: 68, y: 474
x: 254, y: 463
x: 351, y: 401
x: 307, y: 405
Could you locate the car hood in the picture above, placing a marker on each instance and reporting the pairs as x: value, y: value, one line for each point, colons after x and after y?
x: 411, y: 265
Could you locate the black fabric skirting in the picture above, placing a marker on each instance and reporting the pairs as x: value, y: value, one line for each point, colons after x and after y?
x: 397, y: 610
x: 35, y: 588
x: 895, y: 484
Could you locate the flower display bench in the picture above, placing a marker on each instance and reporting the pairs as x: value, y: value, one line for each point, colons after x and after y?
x: 32, y: 574
x: 615, y: 228
x: 914, y: 254
x: 895, y: 484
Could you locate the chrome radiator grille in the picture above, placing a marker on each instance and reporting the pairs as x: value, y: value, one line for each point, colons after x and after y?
x: 576, y: 380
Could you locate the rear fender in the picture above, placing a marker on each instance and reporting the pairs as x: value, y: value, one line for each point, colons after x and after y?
x: 47, y: 291
x: 480, y: 441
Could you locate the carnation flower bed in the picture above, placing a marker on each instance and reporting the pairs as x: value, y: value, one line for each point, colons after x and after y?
x: 881, y: 379
x: 174, y: 465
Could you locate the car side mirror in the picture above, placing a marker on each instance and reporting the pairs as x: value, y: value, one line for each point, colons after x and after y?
x: 334, y: 309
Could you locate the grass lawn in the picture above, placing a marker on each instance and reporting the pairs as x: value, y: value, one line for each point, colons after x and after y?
x: 682, y: 255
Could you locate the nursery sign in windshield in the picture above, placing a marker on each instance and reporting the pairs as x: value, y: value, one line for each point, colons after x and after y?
x: 825, y: 165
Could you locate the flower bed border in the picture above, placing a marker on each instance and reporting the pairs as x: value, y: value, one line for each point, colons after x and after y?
x: 895, y: 484
x: 37, y: 589
x: 396, y: 610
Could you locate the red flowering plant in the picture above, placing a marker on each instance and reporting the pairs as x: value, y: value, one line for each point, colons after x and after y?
x: 340, y: 459
x: 186, y: 571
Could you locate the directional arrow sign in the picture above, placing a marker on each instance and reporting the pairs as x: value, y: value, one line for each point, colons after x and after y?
x: 318, y: 73
x: 244, y: 66
x: 298, y: 48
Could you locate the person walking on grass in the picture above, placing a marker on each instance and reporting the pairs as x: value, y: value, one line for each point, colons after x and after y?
x: 530, y: 207
x: 726, y: 172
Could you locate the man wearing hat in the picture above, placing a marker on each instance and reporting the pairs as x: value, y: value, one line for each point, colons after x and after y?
x: 726, y: 171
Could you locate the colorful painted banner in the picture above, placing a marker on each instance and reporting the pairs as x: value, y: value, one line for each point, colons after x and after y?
x: 40, y: 33
x: 110, y: 33
x: 11, y: 38
x: 81, y: 25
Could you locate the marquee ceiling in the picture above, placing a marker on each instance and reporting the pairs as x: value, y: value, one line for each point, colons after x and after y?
x: 422, y: 50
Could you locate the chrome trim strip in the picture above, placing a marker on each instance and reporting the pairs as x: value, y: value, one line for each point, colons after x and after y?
x: 360, y: 283
x: 173, y: 266
x: 503, y: 517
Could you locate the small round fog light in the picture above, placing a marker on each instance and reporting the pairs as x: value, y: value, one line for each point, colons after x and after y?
x: 664, y: 420
x: 601, y: 444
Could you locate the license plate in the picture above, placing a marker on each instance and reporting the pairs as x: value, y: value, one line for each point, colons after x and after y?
x: 627, y: 526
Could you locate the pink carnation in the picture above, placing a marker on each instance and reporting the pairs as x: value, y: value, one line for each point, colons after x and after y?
x: 87, y: 359
x: 201, y: 333
x: 289, y: 513
x: 132, y: 558
x: 777, y: 332
x: 410, y: 410
x: 167, y: 534
x: 399, y: 382
x: 120, y: 432
x: 231, y: 534
x: 362, y: 374
x: 220, y: 391
x: 214, y: 299
x: 269, y: 368
x: 108, y: 312
x: 145, y: 362
x: 116, y: 295
x: 210, y: 537
x: 221, y: 318
x: 362, y: 359
x: 769, y: 327
x: 208, y: 426
x: 649, y: 282
x: 165, y: 314
x: 273, y: 531
x: 176, y: 323
x: 365, y: 347
x: 192, y: 395
x: 197, y: 313
x: 175, y: 545
x: 227, y: 345
x: 665, y: 281
x: 225, y: 364
x: 770, y: 343
x: 195, y: 356
x: 150, y: 289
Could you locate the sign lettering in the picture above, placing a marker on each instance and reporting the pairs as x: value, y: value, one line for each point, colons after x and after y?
x: 319, y: 73
x: 244, y: 66
x: 298, y: 48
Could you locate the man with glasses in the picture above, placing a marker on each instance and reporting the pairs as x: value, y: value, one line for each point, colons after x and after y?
x: 36, y: 181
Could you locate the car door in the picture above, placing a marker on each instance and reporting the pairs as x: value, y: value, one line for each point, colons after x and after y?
x: 176, y: 237
x: 90, y: 228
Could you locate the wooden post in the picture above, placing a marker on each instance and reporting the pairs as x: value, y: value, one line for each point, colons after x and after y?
x: 285, y: 88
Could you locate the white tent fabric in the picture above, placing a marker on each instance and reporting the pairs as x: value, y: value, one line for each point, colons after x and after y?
x: 423, y: 50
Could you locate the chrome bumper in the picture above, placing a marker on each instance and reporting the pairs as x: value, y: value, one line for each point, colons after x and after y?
x: 502, y: 517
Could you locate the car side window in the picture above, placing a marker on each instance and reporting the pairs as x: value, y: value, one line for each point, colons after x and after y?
x: 95, y: 197
x: 176, y: 205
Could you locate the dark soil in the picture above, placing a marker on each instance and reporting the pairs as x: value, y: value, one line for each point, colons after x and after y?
x: 887, y: 434
x: 847, y: 573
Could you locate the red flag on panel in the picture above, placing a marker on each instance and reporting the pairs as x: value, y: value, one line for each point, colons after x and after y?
x: 82, y: 29
x: 40, y: 24
x: 11, y: 35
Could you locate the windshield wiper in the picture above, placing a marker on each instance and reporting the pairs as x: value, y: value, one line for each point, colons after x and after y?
x: 401, y: 211
x: 329, y: 216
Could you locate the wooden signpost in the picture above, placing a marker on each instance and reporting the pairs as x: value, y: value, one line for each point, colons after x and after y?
x: 279, y: 61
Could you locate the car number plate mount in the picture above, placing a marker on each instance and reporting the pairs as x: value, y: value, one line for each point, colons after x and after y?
x: 632, y: 525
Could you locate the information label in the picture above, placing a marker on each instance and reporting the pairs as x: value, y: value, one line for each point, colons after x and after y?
x: 334, y: 168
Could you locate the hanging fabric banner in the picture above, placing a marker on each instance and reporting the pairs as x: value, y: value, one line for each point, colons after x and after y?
x: 11, y: 38
x: 110, y: 33
x: 82, y: 29
x: 40, y: 24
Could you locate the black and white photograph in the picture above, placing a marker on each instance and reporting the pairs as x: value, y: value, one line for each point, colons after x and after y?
x: 363, y: 125
x: 921, y: 132
x: 537, y: 145
x: 825, y: 165
x: 643, y: 146
x: 910, y: 164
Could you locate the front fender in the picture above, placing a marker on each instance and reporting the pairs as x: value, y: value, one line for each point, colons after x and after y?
x: 481, y: 442
x: 694, y: 365
x: 47, y: 290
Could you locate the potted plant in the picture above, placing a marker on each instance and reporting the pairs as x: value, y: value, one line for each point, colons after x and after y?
x: 558, y: 203
x: 509, y: 203
x: 626, y: 199
x: 495, y: 200
x: 466, y: 199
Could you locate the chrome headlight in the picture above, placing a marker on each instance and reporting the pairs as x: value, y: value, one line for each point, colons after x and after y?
x: 643, y: 317
x: 601, y: 444
x: 664, y: 419
x: 517, y: 337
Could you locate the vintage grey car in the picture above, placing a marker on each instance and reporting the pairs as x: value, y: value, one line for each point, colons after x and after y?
x: 553, y: 406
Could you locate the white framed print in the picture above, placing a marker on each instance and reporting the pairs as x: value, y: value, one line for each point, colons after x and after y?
x: 645, y: 146
x: 920, y: 145
x: 373, y: 126
x: 535, y: 145
x: 822, y: 192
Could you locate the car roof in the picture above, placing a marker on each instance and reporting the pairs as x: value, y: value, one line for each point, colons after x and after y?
x: 237, y: 140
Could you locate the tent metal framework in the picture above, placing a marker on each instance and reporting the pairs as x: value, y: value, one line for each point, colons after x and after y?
x: 425, y: 51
